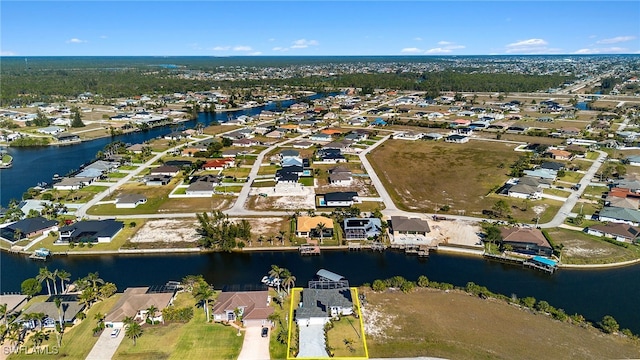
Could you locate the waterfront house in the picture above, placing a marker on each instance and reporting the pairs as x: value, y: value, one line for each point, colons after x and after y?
x: 67, y: 137
x: 72, y: 183
x: 90, y: 231
x: 252, y: 306
x: 404, y: 226
x: 307, y: 226
x: 130, y: 201
x: 69, y: 310
x: 27, y: 228
x: 361, y: 229
x: 526, y: 240
x: 134, y: 303
x: 338, y: 199
x: 620, y: 232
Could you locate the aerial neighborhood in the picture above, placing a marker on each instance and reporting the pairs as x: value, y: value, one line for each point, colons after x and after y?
x: 545, y: 180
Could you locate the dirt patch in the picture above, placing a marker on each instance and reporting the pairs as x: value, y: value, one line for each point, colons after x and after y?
x: 456, y: 232
x: 168, y: 231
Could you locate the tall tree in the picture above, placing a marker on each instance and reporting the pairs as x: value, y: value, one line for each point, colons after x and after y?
x: 288, y: 280
x: 202, y: 292
x: 94, y: 279
x: 320, y: 228
x: 63, y: 275
x: 54, y: 277
x: 31, y: 287
x: 76, y: 118
x: 44, y: 275
x: 151, y: 312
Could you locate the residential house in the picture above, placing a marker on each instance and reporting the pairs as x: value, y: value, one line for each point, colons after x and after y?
x: 330, y: 156
x: 27, y: 228
x: 558, y: 154
x: 134, y: 303
x: 202, y: 186
x: 458, y: 139
x: 90, y: 231
x: 66, y: 137
x: 50, y: 130
x: 402, y: 225
x: 244, y: 142
x: 156, y: 180
x: 619, y: 215
x: 218, y: 164
x: 361, y: 229
x: 551, y: 165
x: 541, y: 173
x: 130, y: 201
x: 307, y: 226
x: 319, y: 306
x: 168, y: 170
x: 252, y: 306
x: 338, y: 199
x: 408, y: 135
x: 340, y: 175
x: 72, y: 183
x: 302, y: 144
x: 526, y: 240
x: 69, y: 310
x: 433, y: 136
x: 620, y: 232
x: 319, y: 137
x: 523, y: 191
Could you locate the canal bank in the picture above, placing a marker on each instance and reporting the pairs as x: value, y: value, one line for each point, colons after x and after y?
x: 587, y: 292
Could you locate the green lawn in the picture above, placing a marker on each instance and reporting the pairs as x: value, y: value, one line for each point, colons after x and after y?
x: 596, y: 191
x: 193, y: 340
x: 230, y: 188
x: 592, y: 155
x: 572, y: 177
x: 586, y: 208
x: 268, y: 170
x: 77, y: 341
x: 127, y: 167
x: 306, y: 181
x: 581, y: 248
x: 557, y: 192
x: 116, y: 175
x: 180, y: 191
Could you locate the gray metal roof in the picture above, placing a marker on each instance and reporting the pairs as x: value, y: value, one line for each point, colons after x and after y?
x: 329, y: 275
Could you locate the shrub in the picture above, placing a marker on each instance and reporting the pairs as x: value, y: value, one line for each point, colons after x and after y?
x: 396, y: 281
x: 423, y: 281
x: 608, y: 324
x: 407, y: 286
x: 379, y: 285
x: 529, y: 302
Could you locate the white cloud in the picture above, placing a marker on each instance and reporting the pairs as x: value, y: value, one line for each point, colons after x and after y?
x: 417, y: 39
x: 530, y: 46
x: 7, y: 53
x: 221, y: 48
x: 271, y: 40
x: 76, y: 41
x: 444, y: 43
x: 104, y: 37
x: 609, y: 50
x: 615, y: 40
x: 279, y: 48
x: 438, y: 51
x: 256, y: 53
x: 242, y: 48
x: 303, y: 43
x: 411, y: 50
x: 528, y: 43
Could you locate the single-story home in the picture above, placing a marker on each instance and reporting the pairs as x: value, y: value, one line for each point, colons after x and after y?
x: 307, y: 226
x: 134, y: 303
x: 319, y: 306
x: 619, y: 215
x: 93, y: 231
x: 203, y: 186
x: 361, y: 229
x: 72, y: 183
x: 338, y: 199
x: 402, y: 225
x: 70, y: 310
x: 252, y: 306
x: 130, y: 201
x: 157, y: 180
x: 526, y: 240
x: 456, y: 138
x: 169, y: 170
x: 620, y: 232
x: 524, y: 191
x: 27, y: 228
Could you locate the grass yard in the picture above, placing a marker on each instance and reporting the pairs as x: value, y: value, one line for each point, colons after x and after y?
x: 116, y: 175
x: 557, y: 192
x: 572, y: 177
x: 189, y: 205
x: 420, y: 175
x: 268, y: 169
x: 229, y: 189
x: 278, y: 339
x: 77, y: 341
x: 455, y: 325
x: 581, y: 248
x: 595, y: 191
x: 193, y: 340
x: 238, y: 172
x: 586, y: 208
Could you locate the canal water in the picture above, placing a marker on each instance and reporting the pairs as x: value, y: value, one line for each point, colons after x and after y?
x: 591, y: 293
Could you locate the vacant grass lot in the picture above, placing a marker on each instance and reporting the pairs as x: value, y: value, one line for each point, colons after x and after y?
x: 455, y: 325
x: 581, y: 248
x: 420, y: 175
x: 193, y: 340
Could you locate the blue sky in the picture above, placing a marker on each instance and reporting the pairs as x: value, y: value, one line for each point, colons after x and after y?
x: 223, y: 28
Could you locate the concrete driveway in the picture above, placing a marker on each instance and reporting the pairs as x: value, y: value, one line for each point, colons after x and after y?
x: 106, y: 345
x: 255, y: 347
x: 312, y: 341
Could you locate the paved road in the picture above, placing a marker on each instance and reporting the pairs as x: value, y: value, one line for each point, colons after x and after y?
x: 571, y: 201
x: 255, y: 347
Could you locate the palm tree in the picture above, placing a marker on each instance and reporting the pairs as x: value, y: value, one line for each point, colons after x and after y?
x: 59, y: 328
x: 151, y: 312
x: 4, y: 313
x: 133, y: 332
x: 202, y: 292
x: 288, y: 280
x: 63, y: 275
x: 128, y: 321
x: 39, y: 337
x: 54, y: 277
x: 40, y: 317
x: 44, y: 275
x: 321, y: 227
x: 107, y: 290
x: 282, y: 233
x: 94, y: 279
x: 87, y: 296
x: 276, y: 272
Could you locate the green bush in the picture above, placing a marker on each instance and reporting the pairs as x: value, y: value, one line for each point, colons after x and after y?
x: 379, y: 285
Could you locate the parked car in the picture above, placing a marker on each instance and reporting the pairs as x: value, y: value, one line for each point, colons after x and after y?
x: 115, y: 332
x: 265, y: 331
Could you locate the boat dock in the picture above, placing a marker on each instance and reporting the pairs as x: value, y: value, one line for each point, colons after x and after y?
x: 536, y: 262
x: 354, y: 246
x: 309, y: 249
x: 40, y: 254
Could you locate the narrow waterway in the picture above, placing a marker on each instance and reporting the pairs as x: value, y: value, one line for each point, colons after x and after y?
x: 591, y: 293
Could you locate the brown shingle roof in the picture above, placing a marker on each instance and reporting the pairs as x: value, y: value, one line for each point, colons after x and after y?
x: 524, y: 235
x: 135, y: 299
x: 254, y: 304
